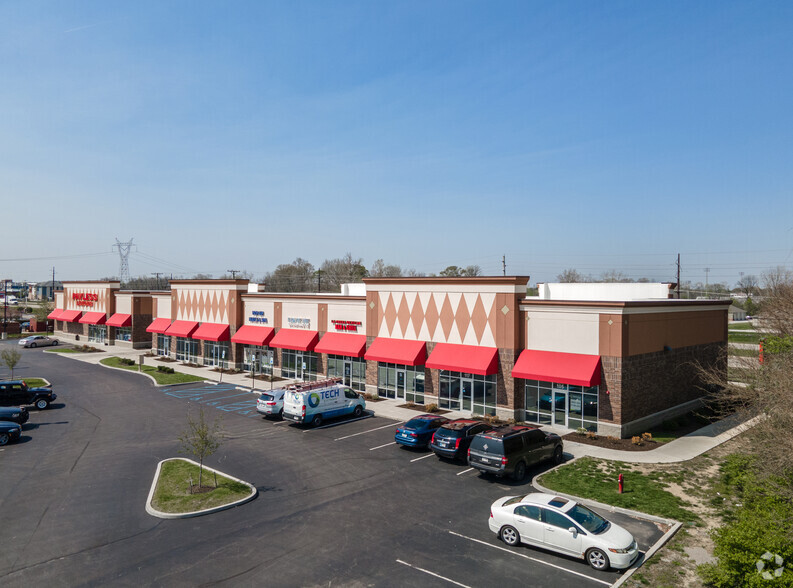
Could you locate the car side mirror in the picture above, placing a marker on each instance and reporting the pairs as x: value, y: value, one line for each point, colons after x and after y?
x: 573, y: 531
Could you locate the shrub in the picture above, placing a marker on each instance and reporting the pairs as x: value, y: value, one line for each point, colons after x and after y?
x: 126, y: 361
x: 410, y: 404
x: 612, y: 439
x: 637, y: 440
x: 431, y: 408
x: 581, y: 431
x: 164, y: 369
x: 591, y: 435
x: 647, y: 437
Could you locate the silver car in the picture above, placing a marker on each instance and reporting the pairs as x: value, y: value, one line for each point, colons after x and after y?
x: 37, y: 341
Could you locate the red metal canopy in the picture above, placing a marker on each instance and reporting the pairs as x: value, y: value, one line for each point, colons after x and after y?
x: 469, y: 359
x: 55, y: 314
x: 70, y: 316
x: 119, y: 320
x: 182, y: 329
x: 212, y: 332
x: 296, y: 339
x: 554, y: 366
x: 159, y: 325
x: 397, y: 351
x: 342, y: 344
x: 253, y: 335
x: 93, y: 318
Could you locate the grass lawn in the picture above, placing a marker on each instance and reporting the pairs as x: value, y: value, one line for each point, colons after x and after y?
x: 597, y: 480
x: 62, y: 350
x: 740, y: 326
x: 25, y: 334
x: 159, y: 377
x: 173, y: 489
x: 743, y: 337
x: 35, y: 382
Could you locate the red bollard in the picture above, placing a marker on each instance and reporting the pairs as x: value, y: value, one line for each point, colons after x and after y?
x: 620, y: 478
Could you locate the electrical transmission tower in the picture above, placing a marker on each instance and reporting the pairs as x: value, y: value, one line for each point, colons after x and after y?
x: 123, y: 253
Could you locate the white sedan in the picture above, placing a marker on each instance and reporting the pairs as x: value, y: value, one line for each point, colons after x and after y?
x: 564, y: 526
x: 37, y: 341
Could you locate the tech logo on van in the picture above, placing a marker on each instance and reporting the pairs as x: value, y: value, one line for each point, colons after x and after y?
x: 313, y: 400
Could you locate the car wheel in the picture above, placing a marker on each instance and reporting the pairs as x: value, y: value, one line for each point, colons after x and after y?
x: 54, y: 343
x: 32, y: 344
x: 317, y: 420
x: 358, y: 411
x: 509, y: 535
x: 41, y: 404
x: 281, y: 414
x: 520, y: 472
x: 3, y: 439
x: 557, y: 455
x: 597, y: 559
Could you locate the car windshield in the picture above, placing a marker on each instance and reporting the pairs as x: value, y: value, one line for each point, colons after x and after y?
x: 591, y: 521
x: 514, y: 499
x: 266, y: 397
x: 416, y: 424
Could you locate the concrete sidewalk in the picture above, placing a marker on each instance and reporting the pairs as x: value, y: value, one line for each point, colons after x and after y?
x: 681, y: 449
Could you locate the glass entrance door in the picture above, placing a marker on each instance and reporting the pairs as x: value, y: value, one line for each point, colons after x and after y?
x: 560, y: 408
x: 400, y: 383
x: 347, y: 378
x: 466, y: 391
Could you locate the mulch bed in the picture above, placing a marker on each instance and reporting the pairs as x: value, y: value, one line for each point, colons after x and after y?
x: 421, y: 408
x: 165, y: 359
x: 622, y: 444
x: 264, y: 378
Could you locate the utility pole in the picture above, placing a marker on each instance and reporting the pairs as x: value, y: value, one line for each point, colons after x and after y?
x: 5, y: 308
x: 678, y: 276
x: 157, y: 275
x: 233, y: 273
x: 707, y: 271
x: 504, y: 265
x: 123, y: 254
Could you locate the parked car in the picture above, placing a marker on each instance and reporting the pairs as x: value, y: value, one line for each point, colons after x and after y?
x: 271, y: 403
x: 17, y: 393
x: 564, y: 526
x: 452, y: 439
x: 417, y: 432
x: 9, y: 432
x: 37, y: 341
x: 510, y: 450
x: 16, y: 414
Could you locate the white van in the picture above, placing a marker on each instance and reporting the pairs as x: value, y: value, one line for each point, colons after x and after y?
x: 313, y: 402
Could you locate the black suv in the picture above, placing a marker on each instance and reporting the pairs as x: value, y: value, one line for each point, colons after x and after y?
x: 17, y: 393
x: 508, y: 451
x: 453, y: 438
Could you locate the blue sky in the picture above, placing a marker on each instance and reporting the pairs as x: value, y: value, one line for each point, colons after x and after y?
x: 587, y: 135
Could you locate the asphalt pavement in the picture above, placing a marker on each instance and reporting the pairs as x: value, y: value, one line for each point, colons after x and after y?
x: 337, y: 505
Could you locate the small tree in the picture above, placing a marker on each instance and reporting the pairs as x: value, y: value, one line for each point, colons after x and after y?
x: 11, y: 358
x: 201, y: 439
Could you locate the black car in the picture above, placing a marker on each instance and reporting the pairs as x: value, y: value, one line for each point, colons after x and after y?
x: 508, y: 451
x: 9, y: 432
x: 453, y: 438
x: 15, y: 414
x: 17, y: 393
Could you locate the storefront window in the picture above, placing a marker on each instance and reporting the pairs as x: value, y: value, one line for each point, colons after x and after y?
x: 216, y: 354
x: 551, y: 403
x: 401, y: 381
x: 97, y: 333
x: 300, y: 365
x: 461, y: 391
x: 257, y: 359
x: 123, y: 333
x: 187, y: 350
x: 352, y: 370
x: 163, y: 345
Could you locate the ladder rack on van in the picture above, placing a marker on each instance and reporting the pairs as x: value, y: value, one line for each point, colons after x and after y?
x: 306, y: 386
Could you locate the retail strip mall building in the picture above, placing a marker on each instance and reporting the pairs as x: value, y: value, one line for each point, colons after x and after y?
x: 613, y: 358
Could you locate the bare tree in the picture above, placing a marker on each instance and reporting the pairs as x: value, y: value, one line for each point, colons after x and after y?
x: 297, y: 276
x: 335, y: 272
x: 570, y: 276
x: 380, y: 270
x: 454, y: 271
x: 11, y: 358
x: 748, y: 284
x: 201, y: 439
x: 614, y: 276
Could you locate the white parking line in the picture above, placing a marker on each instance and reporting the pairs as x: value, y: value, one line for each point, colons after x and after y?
x: 461, y: 473
x: 369, y: 431
x: 331, y: 425
x: 545, y: 563
x: 381, y: 446
x: 432, y: 574
x: 422, y: 457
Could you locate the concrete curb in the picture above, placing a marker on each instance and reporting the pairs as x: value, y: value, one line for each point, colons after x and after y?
x: 197, y: 513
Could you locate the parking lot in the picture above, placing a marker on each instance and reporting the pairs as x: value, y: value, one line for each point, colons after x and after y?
x: 337, y: 505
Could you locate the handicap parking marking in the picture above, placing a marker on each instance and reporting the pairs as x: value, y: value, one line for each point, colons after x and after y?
x: 381, y: 446
x: 534, y: 559
x: 369, y: 430
x: 422, y: 457
x: 404, y: 563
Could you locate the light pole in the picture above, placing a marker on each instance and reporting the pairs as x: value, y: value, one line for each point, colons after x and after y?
x: 5, y: 308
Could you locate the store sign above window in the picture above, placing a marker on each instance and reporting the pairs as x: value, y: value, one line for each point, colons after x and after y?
x: 85, y: 298
x: 257, y: 316
x: 347, y: 325
x: 299, y: 323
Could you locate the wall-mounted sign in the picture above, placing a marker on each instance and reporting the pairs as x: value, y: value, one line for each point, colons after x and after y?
x: 347, y: 325
x: 257, y: 316
x: 298, y: 323
x: 84, y: 298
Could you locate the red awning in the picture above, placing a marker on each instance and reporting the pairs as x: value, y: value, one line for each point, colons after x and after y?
x: 55, y: 314
x: 253, y: 335
x: 296, y: 339
x: 468, y: 359
x: 70, y: 316
x: 212, y: 332
x: 120, y: 320
x: 93, y: 318
x: 342, y: 344
x: 397, y: 351
x: 553, y: 366
x: 182, y: 329
x: 159, y: 325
